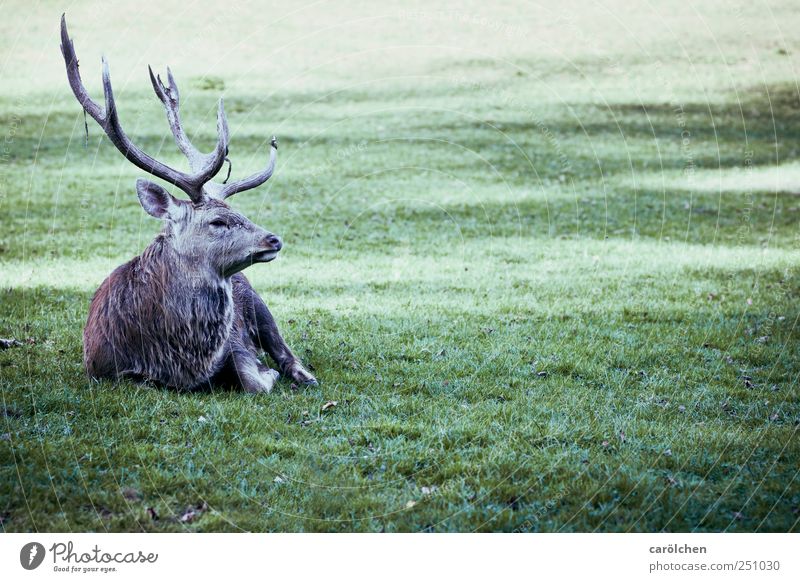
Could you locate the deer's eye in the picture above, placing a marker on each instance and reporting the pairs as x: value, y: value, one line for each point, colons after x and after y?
x: 219, y: 223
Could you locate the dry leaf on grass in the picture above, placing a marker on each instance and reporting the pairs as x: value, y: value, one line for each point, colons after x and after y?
x: 188, y: 516
x: 193, y: 513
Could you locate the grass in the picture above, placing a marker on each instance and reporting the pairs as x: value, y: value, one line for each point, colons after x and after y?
x: 548, y: 274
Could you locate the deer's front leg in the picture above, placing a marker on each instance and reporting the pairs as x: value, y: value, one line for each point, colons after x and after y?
x: 262, y: 330
x: 270, y: 340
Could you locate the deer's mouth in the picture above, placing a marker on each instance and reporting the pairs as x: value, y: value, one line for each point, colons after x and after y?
x: 264, y: 256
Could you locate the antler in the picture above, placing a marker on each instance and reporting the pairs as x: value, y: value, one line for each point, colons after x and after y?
x: 204, y: 167
x: 170, y: 97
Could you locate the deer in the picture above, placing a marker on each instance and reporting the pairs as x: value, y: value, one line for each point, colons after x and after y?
x: 182, y: 314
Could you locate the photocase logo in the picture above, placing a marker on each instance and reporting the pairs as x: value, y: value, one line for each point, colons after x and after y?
x: 31, y: 555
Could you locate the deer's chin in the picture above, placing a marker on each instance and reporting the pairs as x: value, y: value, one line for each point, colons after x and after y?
x: 264, y: 256
x: 259, y: 257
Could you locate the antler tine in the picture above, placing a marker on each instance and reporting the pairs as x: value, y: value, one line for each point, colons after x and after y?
x: 212, y: 163
x: 170, y: 97
x: 74, y: 76
x: 171, y: 100
x: 206, y: 166
x: 256, y: 179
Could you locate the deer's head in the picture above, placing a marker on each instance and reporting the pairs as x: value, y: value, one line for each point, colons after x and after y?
x: 204, y: 230
x: 208, y: 234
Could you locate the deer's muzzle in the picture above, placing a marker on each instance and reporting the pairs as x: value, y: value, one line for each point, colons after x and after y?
x: 272, y: 242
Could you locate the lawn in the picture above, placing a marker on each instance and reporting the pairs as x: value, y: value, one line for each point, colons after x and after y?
x: 545, y: 261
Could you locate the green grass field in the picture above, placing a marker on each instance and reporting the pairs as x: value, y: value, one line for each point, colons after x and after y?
x: 545, y: 260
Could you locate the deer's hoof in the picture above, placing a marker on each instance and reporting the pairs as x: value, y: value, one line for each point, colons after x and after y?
x: 301, y: 376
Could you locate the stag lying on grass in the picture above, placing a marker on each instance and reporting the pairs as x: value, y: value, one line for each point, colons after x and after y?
x: 181, y: 314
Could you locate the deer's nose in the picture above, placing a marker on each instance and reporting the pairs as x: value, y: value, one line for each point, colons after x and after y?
x: 272, y: 241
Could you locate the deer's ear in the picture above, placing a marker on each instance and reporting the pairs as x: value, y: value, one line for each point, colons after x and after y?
x: 156, y: 201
